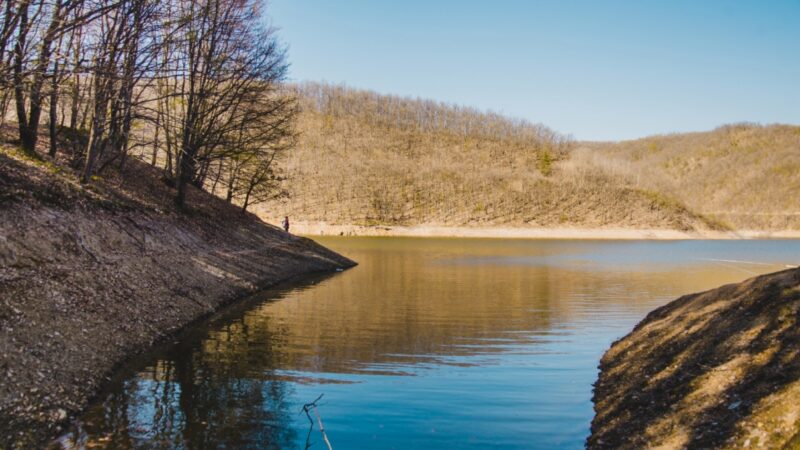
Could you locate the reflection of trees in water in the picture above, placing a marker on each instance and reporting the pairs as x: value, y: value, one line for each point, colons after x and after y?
x: 419, y: 313
x: 214, y: 393
x: 225, y: 385
x: 430, y: 306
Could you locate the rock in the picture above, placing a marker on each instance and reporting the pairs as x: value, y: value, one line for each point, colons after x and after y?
x: 730, y: 329
x: 58, y: 415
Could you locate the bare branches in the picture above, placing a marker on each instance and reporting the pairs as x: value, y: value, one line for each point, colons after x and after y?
x: 417, y: 116
x: 225, y: 67
x: 198, y: 82
x: 307, y: 408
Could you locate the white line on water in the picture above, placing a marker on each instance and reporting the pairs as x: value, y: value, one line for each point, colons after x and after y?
x: 738, y: 261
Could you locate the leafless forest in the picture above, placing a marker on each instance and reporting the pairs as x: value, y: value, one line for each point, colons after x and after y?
x: 369, y: 159
x: 193, y: 86
x: 746, y: 176
x: 197, y: 88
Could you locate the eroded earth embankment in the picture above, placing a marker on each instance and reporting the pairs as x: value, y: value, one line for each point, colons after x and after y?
x: 89, y: 276
x: 718, y: 369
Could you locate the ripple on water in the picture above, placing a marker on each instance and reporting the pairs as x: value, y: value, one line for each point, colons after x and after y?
x: 428, y: 343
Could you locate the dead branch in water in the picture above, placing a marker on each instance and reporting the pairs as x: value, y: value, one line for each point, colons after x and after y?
x: 306, y: 409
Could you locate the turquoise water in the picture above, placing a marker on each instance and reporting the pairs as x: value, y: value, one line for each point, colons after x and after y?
x: 428, y: 343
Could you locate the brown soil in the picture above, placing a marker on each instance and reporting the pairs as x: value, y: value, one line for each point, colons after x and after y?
x: 719, y: 369
x: 90, y: 276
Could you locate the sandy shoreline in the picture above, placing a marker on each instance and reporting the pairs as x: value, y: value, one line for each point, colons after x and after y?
x: 324, y: 229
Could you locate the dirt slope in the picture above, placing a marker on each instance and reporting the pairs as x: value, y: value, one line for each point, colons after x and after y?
x: 718, y: 369
x: 90, y: 276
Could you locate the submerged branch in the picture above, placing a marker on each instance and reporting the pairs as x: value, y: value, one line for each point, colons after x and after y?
x: 306, y: 409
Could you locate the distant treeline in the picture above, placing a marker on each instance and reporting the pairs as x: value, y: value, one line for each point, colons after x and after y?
x: 745, y: 175
x: 419, y: 115
x: 193, y: 85
x: 372, y: 159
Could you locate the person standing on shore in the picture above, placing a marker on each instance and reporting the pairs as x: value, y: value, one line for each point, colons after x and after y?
x: 285, y: 223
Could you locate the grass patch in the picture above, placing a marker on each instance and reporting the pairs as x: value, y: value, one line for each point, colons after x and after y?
x: 545, y: 162
x: 662, y: 201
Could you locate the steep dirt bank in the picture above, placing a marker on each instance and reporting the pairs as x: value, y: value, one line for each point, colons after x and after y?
x: 90, y: 276
x: 718, y: 369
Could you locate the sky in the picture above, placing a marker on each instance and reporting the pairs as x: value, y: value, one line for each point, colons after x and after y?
x: 596, y: 70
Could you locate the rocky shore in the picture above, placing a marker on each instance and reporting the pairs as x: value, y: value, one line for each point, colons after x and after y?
x: 90, y: 275
x: 718, y: 369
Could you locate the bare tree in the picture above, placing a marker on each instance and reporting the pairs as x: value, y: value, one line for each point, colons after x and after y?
x: 228, y: 61
x: 51, y: 18
x: 198, y: 83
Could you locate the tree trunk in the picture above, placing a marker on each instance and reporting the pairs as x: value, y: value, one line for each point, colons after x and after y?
x: 216, y: 179
x: 76, y: 84
x: 28, y: 142
x: 93, y: 150
x: 74, y: 107
x: 29, y: 127
x: 186, y: 169
x: 54, y: 112
x: 154, y: 157
x: 247, y: 199
x: 96, y: 135
x: 5, y: 101
x: 231, y: 184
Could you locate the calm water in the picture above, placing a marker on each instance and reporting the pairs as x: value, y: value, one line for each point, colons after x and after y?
x: 428, y: 343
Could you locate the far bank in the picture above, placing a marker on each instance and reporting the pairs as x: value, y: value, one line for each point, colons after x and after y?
x: 325, y: 229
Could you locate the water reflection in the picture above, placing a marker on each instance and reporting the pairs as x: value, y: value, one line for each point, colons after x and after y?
x: 427, y: 344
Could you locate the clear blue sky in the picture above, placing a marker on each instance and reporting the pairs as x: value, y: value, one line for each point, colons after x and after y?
x: 597, y: 70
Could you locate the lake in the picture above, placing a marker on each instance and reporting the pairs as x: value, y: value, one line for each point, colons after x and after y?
x: 428, y: 343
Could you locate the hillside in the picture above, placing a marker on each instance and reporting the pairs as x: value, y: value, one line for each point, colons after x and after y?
x: 747, y: 176
x: 718, y: 369
x: 369, y: 159
x: 91, y: 274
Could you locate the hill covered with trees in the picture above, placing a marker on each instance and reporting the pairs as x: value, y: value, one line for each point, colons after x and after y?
x: 197, y: 89
x: 364, y: 158
x: 743, y: 175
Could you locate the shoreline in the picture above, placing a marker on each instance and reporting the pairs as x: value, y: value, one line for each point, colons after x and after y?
x: 91, y: 278
x: 714, y: 369
x: 324, y: 229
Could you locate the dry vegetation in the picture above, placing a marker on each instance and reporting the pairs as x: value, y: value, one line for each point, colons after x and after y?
x: 746, y: 175
x: 194, y: 86
x: 718, y: 369
x: 368, y: 159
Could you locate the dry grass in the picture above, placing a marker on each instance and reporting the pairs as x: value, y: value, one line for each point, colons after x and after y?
x: 717, y: 369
